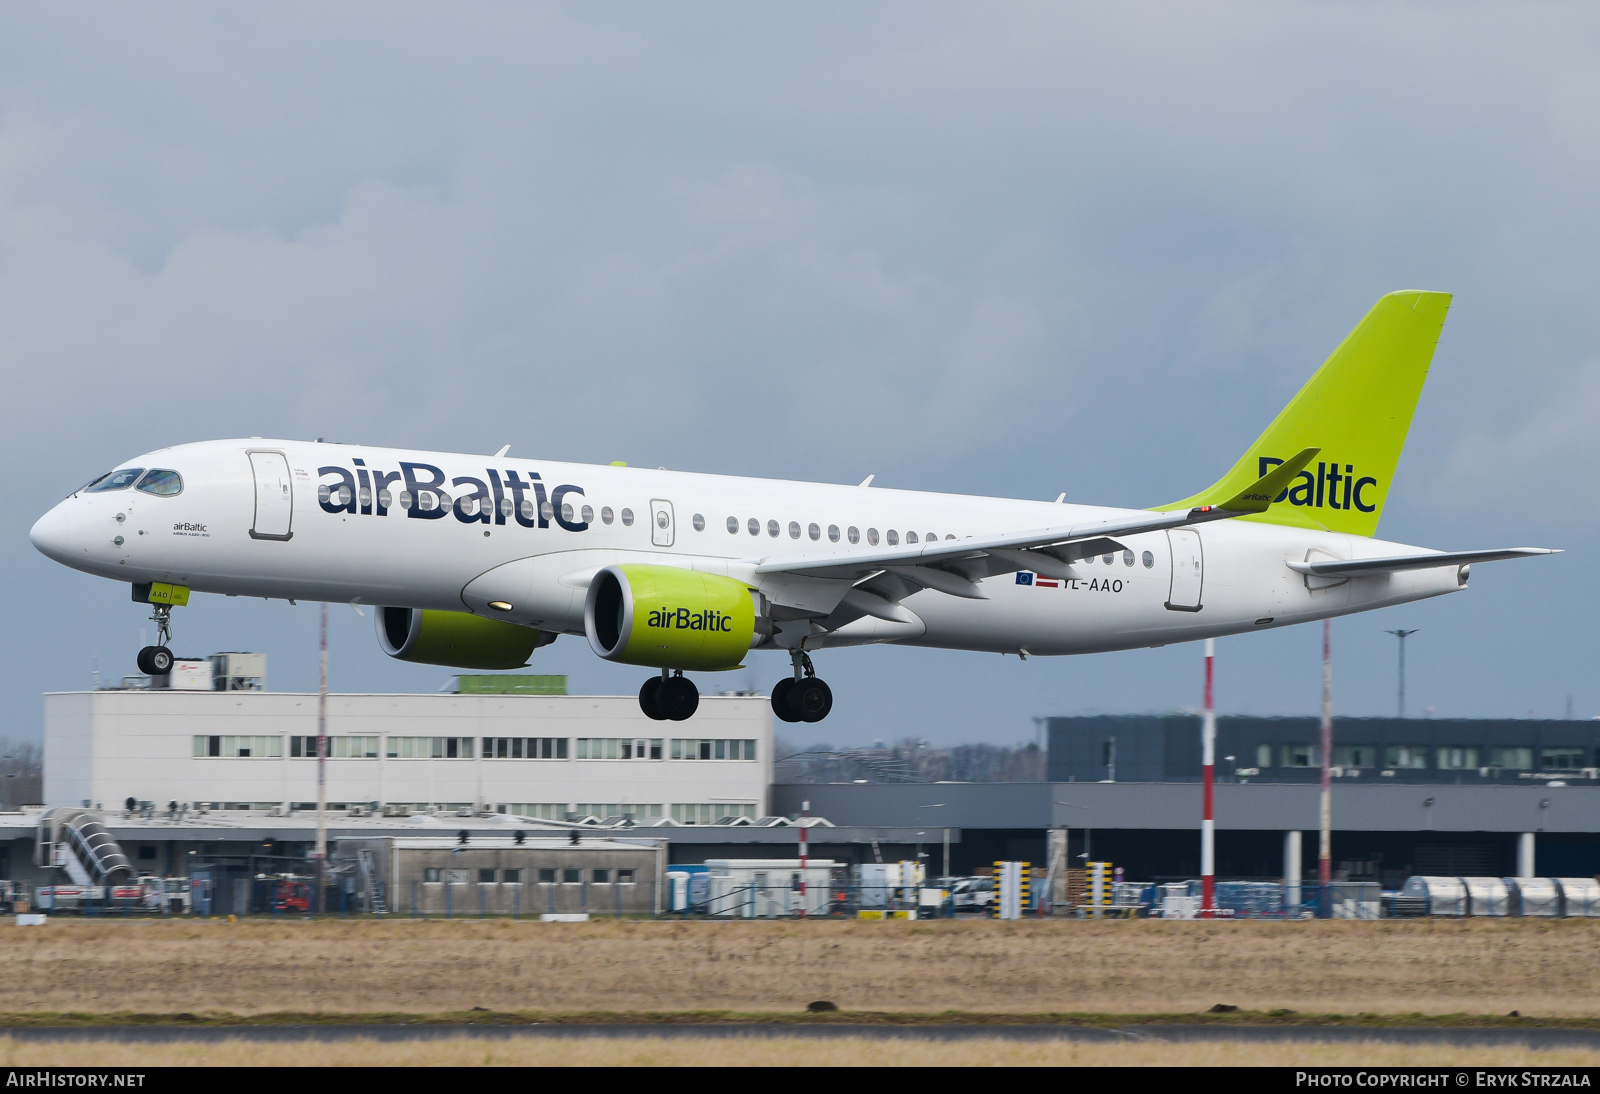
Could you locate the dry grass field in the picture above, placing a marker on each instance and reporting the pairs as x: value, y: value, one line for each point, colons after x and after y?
x: 1547, y: 968
x: 470, y: 1051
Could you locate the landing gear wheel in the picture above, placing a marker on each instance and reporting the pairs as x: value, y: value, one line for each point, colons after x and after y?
x: 678, y: 698
x: 810, y: 699
x: 782, y: 700
x: 155, y: 660
x: 650, y: 699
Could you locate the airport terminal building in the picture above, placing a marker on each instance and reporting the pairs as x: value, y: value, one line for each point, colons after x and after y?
x: 544, y: 756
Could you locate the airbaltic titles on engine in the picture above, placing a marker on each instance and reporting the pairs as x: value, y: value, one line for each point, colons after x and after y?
x: 1286, y: 536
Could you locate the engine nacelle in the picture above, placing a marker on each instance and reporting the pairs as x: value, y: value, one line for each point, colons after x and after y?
x: 669, y: 618
x: 457, y: 639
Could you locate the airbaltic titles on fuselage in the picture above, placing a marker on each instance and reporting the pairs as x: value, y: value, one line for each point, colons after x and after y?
x: 490, y: 500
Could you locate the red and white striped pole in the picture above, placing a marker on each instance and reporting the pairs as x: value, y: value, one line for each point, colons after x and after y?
x: 805, y: 813
x: 1325, y: 820
x: 1208, y: 824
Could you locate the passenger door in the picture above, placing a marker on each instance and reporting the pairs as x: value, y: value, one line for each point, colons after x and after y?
x: 661, y: 523
x: 274, y: 496
x: 1188, y: 570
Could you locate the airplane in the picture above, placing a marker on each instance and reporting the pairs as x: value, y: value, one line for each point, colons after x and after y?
x: 475, y: 562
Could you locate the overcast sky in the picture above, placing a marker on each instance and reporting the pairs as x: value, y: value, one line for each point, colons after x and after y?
x: 1001, y: 248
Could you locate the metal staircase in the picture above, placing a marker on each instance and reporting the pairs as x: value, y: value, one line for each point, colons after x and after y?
x: 369, y: 877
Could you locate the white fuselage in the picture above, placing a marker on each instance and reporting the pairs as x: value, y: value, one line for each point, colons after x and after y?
x: 235, y: 530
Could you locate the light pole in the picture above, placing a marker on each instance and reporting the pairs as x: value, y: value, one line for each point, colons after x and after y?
x: 940, y: 805
x: 1401, y: 704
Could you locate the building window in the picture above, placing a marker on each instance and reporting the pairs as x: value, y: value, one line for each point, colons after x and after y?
x: 602, y: 876
x: 1411, y: 757
x: 1357, y: 756
x: 429, y: 748
x: 239, y: 747
x: 511, y: 877
x: 147, y: 853
x: 1511, y: 759
x: 625, y: 877
x: 486, y: 876
x: 711, y: 812
x: 1263, y: 756
x: 1451, y: 758
x: 572, y: 877
x: 638, y: 811
x: 430, y: 874
x: 541, y: 810
x: 724, y: 749
x: 547, y: 877
x: 1302, y: 755
x: 1561, y: 759
x: 618, y: 748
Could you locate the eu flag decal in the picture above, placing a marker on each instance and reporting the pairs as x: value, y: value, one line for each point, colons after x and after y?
x: 1024, y: 577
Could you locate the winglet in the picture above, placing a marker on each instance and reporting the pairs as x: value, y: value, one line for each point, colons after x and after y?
x: 1269, y: 487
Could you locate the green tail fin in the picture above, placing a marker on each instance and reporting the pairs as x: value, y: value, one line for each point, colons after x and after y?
x: 1356, y: 409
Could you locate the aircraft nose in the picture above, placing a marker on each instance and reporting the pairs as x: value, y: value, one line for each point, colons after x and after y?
x: 52, y: 533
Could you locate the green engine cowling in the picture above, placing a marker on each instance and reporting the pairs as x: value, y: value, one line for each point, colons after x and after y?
x: 457, y: 639
x: 670, y: 618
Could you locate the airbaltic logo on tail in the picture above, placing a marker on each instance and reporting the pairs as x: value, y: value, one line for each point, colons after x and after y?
x: 682, y: 619
x: 1329, y: 486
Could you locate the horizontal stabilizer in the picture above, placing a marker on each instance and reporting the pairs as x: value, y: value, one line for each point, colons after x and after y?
x: 1258, y: 495
x: 1358, y: 566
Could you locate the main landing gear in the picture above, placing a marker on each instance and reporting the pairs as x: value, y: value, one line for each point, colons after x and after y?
x: 802, y: 697
x: 669, y: 697
x: 156, y: 660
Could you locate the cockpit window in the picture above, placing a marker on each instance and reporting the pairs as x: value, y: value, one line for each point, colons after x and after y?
x: 161, y: 483
x: 117, y: 480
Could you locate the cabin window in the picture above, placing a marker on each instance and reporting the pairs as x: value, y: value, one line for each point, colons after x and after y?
x: 794, y: 529
x: 116, y: 480
x: 733, y: 526
x: 853, y: 534
x: 606, y: 515
x: 1127, y: 558
x: 911, y: 537
x: 814, y: 532
x: 163, y: 484
x: 753, y: 526
x: 892, y: 537
x: 772, y: 529
x: 833, y: 533
x: 872, y: 536
x: 699, y: 522
x: 588, y: 514
x: 1149, y: 560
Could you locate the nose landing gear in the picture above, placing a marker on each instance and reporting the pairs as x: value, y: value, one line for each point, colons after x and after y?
x: 669, y: 697
x: 802, y: 697
x: 156, y: 660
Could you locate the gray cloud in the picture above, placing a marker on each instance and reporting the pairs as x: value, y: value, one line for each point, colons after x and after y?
x: 1013, y: 249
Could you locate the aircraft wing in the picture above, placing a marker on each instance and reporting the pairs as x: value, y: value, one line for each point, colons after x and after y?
x: 1368, y: 566
x: 1046, y: 550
